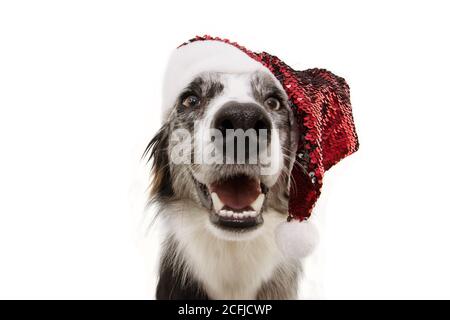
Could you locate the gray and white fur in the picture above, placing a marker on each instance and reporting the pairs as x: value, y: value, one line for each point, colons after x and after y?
x: 200, y: 259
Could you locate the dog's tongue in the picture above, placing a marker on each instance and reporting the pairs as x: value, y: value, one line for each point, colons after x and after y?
x: 237, y: 192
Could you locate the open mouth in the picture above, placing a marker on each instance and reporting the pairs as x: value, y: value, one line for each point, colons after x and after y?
x: 237, y: 202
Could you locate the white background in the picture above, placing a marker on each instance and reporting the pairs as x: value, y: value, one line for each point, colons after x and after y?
x: 80, y: 97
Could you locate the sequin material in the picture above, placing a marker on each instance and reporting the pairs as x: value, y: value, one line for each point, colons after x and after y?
x: 321, y: 102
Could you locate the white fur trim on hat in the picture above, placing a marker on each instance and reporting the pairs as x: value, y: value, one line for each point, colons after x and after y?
x: 190, y: 60
x: 296, y: 239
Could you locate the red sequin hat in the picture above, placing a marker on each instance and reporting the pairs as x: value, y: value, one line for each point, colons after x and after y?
x: 320, y: 100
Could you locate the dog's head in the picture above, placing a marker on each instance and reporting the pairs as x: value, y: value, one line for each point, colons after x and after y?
x: 227, y: 146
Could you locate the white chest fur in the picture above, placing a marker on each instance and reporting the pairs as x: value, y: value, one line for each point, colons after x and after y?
x: 227, y: 269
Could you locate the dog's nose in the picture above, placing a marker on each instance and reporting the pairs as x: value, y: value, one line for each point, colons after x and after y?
x: 243, y: 116
x: 242, y: 146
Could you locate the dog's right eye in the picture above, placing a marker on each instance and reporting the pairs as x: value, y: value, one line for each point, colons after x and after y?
x: 191, y: 101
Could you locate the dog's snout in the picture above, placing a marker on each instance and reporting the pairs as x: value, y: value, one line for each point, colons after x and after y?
x: 246, y: 130
x: 243, y: 116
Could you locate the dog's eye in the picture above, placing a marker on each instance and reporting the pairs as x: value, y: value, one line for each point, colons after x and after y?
x: 272, y: 103
x: 191, y: 101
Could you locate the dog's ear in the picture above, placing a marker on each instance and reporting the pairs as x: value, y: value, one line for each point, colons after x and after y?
x: 156, y: 151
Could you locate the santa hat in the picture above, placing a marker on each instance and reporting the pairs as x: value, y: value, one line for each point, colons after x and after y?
x: 321, y: 102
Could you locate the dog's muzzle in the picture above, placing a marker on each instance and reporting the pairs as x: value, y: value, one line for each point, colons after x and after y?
x: 248, y: 119
x: 236, y: 196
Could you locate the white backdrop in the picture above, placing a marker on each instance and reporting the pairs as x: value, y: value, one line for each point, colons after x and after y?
x: 79, y: 100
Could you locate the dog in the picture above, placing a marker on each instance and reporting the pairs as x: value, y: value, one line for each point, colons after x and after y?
x: 220, y: 217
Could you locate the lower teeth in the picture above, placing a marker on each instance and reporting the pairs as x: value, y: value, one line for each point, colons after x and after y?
x: 218, y: 204
x: 243, y: 214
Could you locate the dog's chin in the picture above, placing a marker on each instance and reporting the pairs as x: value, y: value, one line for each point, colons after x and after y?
x: 232, y: 234
x: 235, y: 205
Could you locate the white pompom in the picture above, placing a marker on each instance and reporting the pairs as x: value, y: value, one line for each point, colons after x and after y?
x: 296, y: 239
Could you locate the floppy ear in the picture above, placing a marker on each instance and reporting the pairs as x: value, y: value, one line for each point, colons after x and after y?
x: 156, y: 150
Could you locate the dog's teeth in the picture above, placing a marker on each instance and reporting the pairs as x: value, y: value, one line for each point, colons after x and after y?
x: 250, y: 213
x: 237, y: 215
x: 218, y: 205
x: 257, y: 204
x: 222, y: 213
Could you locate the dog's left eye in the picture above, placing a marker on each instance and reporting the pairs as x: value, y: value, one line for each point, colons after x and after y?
x: 191, y: 101
x: 272, y: 103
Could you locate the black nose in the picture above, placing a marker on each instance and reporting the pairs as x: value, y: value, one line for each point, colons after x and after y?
x: 243, y: 116
x: 246, y: 117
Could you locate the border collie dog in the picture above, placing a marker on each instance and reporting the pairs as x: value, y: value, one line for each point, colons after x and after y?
x: 233, y: 195
x: 220, y: 216
x: 221, y: 177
